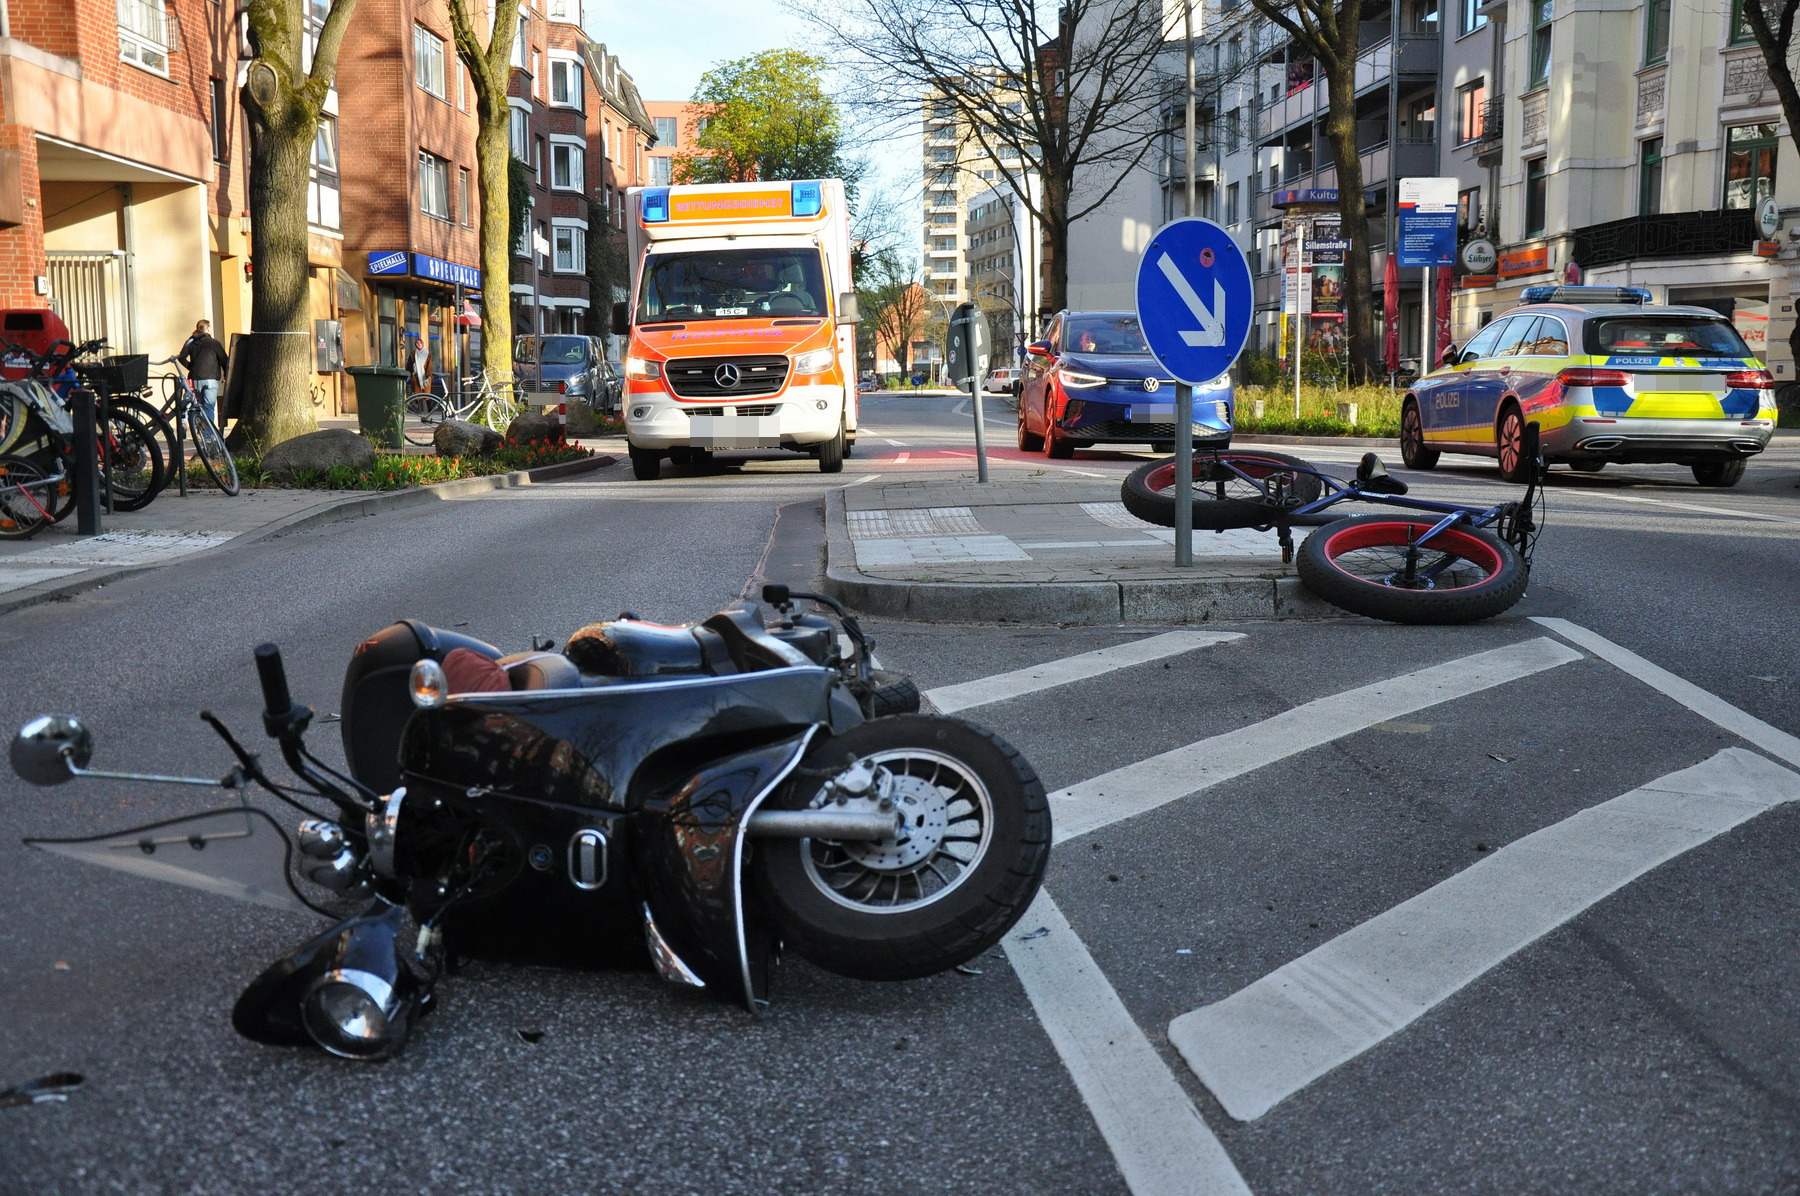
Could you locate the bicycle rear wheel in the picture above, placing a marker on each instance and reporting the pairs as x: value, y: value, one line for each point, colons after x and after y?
x: 138, y: 473
x: 25, y: 502
x: 1226, y: 494
x: 1371, y: 565
x: 427, y: 411
x: 157, y: 422
x: 212, y: 451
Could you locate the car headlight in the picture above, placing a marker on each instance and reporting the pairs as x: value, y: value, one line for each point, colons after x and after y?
x: 815, y: 362
x: 1222, y: 382
x: 642, y: 367
x: 1075, y: 380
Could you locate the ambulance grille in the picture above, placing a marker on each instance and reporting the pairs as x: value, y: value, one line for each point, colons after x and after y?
x: 709, y: 377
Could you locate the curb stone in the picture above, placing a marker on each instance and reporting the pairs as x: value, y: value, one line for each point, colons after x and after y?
x: 337, y: 512
x: 1084, y: 603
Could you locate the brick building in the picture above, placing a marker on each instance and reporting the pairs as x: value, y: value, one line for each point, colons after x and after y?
x: 677, y: 126
x: 621, y: 134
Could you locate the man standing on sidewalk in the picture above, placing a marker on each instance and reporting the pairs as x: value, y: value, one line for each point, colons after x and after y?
x: 204, y: 359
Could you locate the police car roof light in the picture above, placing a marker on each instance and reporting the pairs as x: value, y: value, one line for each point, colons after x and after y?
x: 1561, y: 294
x: 656, y: 205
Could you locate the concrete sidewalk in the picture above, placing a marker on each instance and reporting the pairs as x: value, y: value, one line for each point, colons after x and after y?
x: 57, y: 562
x: 948, y: 549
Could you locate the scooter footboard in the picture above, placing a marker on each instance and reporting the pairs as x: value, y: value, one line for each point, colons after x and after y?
x: 691, y: 863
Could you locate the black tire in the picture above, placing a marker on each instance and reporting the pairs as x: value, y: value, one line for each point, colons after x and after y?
x: 1413, y: 450
x: 1222, y: 499
x: 831, y: 452
x: 210, y: 447
x: 950, y: 919
x: 157, y: 422
x: 138, y: 473
x: 889, y: 693
x: 1358, y: 564
x: 1587, y: 466
x: 1720, y: 473
x: 429, y: 411
x: 1056, y: 447
x: 849, y: 447
x: 23, y: 512
x: 646, y: 464
x: 1029, y: 442
x: 1509, y: 443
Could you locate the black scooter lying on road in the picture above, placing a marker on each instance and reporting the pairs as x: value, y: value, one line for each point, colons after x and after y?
x: 692, y: 797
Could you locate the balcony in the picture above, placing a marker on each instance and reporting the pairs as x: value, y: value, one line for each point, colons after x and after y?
x: 1493, y: 130
x: 1417, y: 55
x: 1723, y: 233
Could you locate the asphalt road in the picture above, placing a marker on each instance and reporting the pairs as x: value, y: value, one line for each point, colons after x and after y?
x: 1639, y: 1045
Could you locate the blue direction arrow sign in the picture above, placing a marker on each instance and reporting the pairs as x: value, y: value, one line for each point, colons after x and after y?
x: 1194, y: 299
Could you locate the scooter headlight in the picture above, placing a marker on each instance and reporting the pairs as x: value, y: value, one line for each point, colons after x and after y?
x: 347, y: 1013
x: 815, y: 362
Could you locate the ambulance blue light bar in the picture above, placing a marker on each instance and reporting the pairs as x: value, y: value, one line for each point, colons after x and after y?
x: 808, y: 199
x: 656, y: 205
x: 1556, y: 294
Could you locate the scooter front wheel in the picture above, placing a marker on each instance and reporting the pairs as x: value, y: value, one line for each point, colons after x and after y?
x: 940, y: 892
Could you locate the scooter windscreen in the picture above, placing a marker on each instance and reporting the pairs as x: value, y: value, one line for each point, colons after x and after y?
x: 236, y: 852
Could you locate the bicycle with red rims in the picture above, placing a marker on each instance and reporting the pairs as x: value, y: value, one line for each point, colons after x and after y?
x: 1426, y: 562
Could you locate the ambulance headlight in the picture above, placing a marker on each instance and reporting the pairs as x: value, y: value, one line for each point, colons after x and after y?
x: 815, y: 362
x: 642, y: 368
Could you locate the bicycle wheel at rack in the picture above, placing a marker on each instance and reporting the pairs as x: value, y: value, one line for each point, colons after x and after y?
x: 159, y: 423
x: 1373, y: 565
x: 138, y: 473
x: 1227, y: 488
x: 426, y: 411
x: 210, y: 447
x: 26, y: 504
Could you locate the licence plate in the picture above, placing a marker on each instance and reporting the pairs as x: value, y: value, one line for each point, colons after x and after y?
x: 734, y: 431
x: 1146, y: 414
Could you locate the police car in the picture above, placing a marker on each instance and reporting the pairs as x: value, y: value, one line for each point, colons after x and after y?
x: 1607, y: 378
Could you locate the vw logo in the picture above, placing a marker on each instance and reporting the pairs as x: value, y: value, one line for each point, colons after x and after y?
x: 726, y: 376
x: 1152, y: 384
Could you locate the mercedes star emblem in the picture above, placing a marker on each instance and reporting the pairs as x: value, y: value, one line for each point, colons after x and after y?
x: 1152, y: 384
x: 726, y: 376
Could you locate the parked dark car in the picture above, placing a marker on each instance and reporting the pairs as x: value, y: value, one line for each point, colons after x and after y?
x: 1092, y: 380
x: 563, y: 368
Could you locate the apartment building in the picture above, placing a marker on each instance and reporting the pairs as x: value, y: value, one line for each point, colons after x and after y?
x: 955, y: 169
x: 677, y: 126
x: 120, y: 168
x: 1003, y: 256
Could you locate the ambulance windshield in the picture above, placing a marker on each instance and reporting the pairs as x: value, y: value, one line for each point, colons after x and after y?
x: 732, y: 284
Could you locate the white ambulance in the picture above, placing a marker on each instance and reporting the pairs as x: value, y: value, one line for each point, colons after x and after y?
x: 742, y: 322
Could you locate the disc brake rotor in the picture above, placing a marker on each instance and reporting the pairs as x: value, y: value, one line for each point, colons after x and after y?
x: 925, y: 816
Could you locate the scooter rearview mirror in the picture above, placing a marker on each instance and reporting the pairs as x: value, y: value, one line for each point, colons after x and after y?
x: 51, y: 748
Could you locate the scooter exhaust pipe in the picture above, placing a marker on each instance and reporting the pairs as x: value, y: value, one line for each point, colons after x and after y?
x: 843, y: 825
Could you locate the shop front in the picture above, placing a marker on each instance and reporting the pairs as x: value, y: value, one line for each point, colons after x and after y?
x: 420, y: 313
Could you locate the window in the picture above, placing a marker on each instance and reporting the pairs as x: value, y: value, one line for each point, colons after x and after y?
x: 434, y: 185
x: 1234, y: 130
x: 660, y: 171
x: 217, y: 96
x: 1472, y: 16
x: 144, y: 34
x: 1656, y: 32
x: 667, y: 133
x: 428, y: 60
x: 519, y: 43
x: 1471, y: 111
x: 1650, y: 176
x: 1231, y: 203
x: 1422, y: 17
x: 537, y: 159
x: 1542, y: 13
x: 1519, y: 336
x: 1483, y: 343
x: 565, y: 82
x: 466, y: 201
x: 1421, y: 121
x: 1740, y: 33
x: 519, y: 133
x: 566, y: 172
x: 1468, y: 209
x: 1749, y: 165
x: 1537, y: 184
x: 462, y: 88
x: 571, y: 250
x: 324, y: 208
x: 565, y: 10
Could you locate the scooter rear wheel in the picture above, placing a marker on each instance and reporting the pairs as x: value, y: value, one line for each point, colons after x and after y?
x: 978, y: 839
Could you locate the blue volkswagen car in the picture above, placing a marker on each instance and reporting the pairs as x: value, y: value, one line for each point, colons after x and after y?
x: 1092, y: 380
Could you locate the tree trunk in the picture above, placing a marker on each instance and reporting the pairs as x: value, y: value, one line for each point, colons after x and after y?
x: 1056, y: 228
x: 274, y: 360
x: 493, y: 153
x: 1340, y: 131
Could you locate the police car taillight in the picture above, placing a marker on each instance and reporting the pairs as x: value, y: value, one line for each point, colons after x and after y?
x: 1590, y: 377
x: 1750, y: 380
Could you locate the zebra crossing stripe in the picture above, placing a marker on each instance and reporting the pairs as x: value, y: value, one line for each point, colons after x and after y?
x: 1050, y: 674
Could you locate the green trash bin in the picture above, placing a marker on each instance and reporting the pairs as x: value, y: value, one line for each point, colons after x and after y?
x: 381, y: 403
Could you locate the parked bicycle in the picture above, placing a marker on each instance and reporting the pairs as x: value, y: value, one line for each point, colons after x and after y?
x: 1450, y: 564
x: 489, y: 397
x: 189, y: 418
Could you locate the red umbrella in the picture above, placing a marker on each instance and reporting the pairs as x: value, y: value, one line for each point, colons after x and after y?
x: 1390, y: 314
x: 1446, y: 278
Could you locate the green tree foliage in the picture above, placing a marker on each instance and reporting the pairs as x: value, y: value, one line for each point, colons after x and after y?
x: 766, y: 117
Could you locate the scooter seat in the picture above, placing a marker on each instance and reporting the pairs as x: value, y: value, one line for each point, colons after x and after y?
x: 540, y: 670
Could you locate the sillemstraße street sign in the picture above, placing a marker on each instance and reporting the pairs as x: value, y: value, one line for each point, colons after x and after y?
x: 967, y: 358
x: 1194, y: 297
x: 1428, y: 222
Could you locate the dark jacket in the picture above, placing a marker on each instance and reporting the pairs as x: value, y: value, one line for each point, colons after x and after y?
x: 202, y: 357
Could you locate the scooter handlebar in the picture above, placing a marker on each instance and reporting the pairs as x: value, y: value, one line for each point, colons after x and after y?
x: 273, y: 675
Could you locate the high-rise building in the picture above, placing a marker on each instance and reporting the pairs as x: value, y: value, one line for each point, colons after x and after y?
x: 955, y: 168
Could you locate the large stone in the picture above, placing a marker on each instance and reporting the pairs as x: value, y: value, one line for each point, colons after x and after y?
x: 583, y: 421
x: 318, y: 451
x: 458, y: 438
x: 532, y: 426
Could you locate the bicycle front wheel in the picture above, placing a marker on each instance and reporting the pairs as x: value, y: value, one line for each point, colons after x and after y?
x: 138, y: 474
x: 1227, y: 489
x: 424, y: 412
x: 25, y: 499
x: 1373, y: 565
x: 212, y: 451
x: 502, y: 409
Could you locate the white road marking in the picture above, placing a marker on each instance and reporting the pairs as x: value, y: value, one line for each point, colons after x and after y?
x: 1148, y: 784
x: 898, y: 443
x: 1157, y: 1138
x: 867, y: 477
x: 1689, y: 506
x: 961, y: 408
x: 1086, y: 473
x: 902, y: 458
x: 1772, y: 740
x: 1269, y: 1040
x: 1050, y: 674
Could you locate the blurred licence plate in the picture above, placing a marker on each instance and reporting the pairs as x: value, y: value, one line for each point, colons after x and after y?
x: 735, y: 431
x: 1148, y: 413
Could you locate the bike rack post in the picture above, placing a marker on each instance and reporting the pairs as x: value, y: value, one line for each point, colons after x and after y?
x: 105, y: 430
x: 179, y: 465
x: 86, y: 464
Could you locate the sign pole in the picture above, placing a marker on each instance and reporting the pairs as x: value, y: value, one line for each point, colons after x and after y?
x: 981, y: 469
x: 1184, y: 394
x: 1425, y: 345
